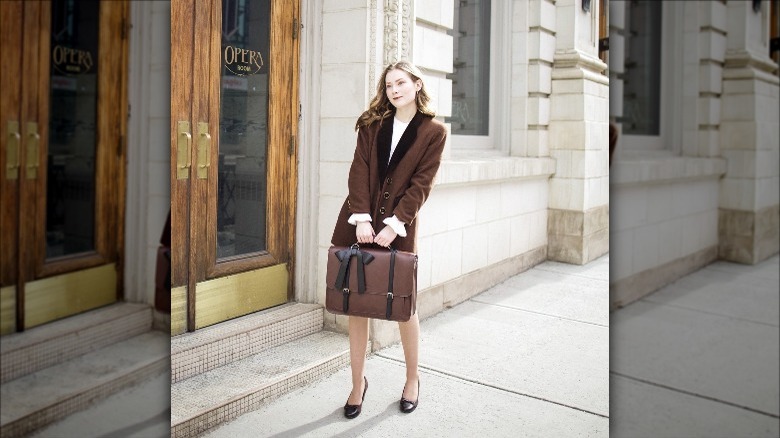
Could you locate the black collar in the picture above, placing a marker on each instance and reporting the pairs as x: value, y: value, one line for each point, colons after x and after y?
x: 385, y: 137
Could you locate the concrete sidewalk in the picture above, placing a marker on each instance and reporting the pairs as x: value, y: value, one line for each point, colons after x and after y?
x: 699, y: 358
x: 529, y: 357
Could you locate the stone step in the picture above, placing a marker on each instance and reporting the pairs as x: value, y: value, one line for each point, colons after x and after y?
x: 40, y: 398
x: 59, y: 341
x: 220, y: 395
x: 141, y: 411
x: 212, y: 347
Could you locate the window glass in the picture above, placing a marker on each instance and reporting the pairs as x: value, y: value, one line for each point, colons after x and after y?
x: 73, y: 82
x: 642, y: 77
x: 471, y: 68
x: 243, y: 128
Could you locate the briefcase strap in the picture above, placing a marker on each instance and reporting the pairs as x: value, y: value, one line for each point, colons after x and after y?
x: 389, y: 310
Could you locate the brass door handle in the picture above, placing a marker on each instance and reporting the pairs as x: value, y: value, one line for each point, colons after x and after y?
x: 204, y: 150
x: 12, y: 152
x: 183, y: 150
x: 33, y: 144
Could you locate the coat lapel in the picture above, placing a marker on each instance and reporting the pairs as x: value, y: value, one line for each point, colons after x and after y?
x: 406, y: 141
x: 383, y: 139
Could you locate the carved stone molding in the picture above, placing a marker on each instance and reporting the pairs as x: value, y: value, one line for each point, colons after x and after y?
x: 406, y: 29
x: 399, y: 22
x: 391, y: 31
x: 372, y: 67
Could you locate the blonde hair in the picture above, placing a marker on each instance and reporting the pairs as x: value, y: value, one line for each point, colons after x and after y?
x: 380, y: 106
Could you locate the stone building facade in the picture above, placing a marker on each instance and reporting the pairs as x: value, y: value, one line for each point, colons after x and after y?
x: 534, y: 188
x: 251, y: 159
x: 696, y: 176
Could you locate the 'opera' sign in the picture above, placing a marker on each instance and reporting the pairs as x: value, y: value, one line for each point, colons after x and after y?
x: 242, y: 62
x: 70, y: 61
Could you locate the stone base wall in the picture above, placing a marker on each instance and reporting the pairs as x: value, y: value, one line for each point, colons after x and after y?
x: 578, y: 237
x: 748, y: 236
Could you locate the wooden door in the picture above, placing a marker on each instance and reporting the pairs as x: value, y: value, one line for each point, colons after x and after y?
x: 62, y: 123
x: 233, y: 123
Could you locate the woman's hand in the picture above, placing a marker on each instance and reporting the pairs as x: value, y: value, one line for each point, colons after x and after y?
x: 364, y: 232
x: 385, y: 237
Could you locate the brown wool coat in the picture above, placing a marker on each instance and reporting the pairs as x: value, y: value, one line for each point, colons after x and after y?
x: 399, y: 188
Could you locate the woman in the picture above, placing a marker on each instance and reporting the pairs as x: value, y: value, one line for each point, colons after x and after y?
x: 398, y: 153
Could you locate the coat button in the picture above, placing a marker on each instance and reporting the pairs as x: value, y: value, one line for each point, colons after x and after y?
x: 386, y: 195
x: 381, y: 210
x: 389, y: 180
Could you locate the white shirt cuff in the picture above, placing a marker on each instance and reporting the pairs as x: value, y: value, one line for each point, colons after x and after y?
x: 396, y: 225
x: 359, y: 217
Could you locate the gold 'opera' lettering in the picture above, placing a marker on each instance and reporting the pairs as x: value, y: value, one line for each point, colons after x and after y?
x: 68, y: 60
x: 241, y: 61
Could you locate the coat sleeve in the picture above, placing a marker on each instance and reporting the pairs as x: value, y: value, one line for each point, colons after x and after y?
x: 421, y: 182
x: 359, y: 200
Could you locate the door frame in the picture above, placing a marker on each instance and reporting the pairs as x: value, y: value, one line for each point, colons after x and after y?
x: 195, y: 234
x: 33, y: 97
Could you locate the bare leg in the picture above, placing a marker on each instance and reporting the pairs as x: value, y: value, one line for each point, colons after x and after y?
x: 358, y: 339
x: 410, y: 338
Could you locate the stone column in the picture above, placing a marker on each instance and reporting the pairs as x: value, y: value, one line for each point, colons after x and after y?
x: 578, y: 221
x: 348, y: 56
x: 534, y: 29
x: 749, y: 214
x: 704, y: 46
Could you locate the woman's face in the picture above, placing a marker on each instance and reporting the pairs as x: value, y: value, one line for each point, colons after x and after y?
x: 400, y: 88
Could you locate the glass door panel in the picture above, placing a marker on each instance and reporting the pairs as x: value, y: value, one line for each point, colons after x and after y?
x: 70, y: 182
x: 243, y: 128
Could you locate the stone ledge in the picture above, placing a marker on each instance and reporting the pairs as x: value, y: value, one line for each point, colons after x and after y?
x: 635, y: 168
x: 464, y: 170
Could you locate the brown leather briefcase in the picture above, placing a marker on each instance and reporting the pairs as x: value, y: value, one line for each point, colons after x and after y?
x: 372, y: 283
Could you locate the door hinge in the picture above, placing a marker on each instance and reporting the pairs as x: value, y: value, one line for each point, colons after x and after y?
x: 291, y: 148
x: 295, y: 28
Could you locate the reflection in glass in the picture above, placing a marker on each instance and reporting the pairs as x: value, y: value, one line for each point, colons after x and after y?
x: 243, y: 128
x: 471, y: 68
x: 70, y: 187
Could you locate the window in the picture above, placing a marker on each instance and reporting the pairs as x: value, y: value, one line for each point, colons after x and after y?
x: 652, y: 78
x: 481, y: 77
x: 471, y: 68
x: 642, y: 74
